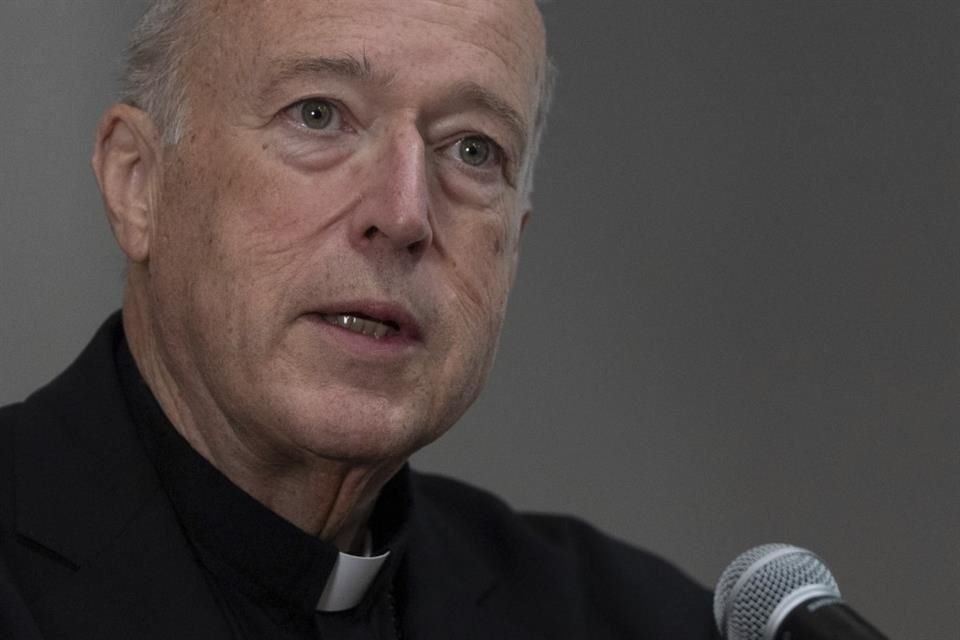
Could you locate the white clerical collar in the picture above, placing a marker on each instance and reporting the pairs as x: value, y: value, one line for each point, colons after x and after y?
x: 348, y: 582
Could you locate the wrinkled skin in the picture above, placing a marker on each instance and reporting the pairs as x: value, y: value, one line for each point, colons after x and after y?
x: 255, y: 225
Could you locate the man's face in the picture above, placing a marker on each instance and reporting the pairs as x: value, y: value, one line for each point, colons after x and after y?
x: 338, y: 229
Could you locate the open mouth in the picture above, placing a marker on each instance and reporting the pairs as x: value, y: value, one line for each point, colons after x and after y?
x: 364, y: 325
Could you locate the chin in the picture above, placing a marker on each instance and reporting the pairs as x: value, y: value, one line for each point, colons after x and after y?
x: 357, y: 430
x: 360, y: 443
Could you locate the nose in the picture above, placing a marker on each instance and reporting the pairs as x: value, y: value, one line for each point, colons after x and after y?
x: 395, y: 211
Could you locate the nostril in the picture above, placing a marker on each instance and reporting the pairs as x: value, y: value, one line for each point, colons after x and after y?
x: 418, y: 247
x: 403, y: 233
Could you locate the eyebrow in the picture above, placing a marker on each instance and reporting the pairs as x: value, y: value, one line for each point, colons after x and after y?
x: 294, y: 68
x: 344, y: 66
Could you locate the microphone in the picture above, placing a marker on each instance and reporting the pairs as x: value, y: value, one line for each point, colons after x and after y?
x: 782, y: 592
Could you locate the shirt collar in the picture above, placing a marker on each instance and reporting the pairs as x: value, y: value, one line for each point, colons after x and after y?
x: 243, y: 543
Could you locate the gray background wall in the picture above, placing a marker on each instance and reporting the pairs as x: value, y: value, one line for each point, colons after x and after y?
x: 736, y: 318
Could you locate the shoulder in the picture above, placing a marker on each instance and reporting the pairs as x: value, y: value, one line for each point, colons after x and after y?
x: 603, y: 582
x: 16, y: 621
x: 9, y: 416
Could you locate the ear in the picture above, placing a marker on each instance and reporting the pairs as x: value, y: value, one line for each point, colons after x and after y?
x: 525, y: 219
x: 127, y: 164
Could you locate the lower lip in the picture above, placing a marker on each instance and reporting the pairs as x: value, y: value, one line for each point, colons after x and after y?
x: 388, y: 346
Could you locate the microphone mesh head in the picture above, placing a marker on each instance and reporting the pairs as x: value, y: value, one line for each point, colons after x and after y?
x: 750, y: 589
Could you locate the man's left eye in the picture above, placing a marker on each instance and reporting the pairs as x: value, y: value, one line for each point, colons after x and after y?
x: 476, y: 151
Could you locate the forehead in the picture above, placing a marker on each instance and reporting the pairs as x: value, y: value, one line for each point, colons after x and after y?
x: 418, y: 41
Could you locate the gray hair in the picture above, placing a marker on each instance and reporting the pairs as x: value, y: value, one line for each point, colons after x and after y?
x: 546, y: 84
x: 153, y: 78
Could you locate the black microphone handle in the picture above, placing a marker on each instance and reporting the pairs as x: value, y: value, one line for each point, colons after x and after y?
x: 826, y: 619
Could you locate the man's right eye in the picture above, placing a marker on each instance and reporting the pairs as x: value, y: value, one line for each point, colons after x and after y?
x: 316, y: 114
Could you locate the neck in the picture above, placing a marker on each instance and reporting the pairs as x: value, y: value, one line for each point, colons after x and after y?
x: 330, y: 498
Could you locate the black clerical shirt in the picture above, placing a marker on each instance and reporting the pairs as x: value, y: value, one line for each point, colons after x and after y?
x: 90, y: 551
x: 267, y: 575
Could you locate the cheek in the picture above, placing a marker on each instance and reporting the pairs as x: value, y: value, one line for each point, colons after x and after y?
x: 479, y: 280
x: 183, y: 238
x: 279, y: 218
x: 260, y: 230
x: 221, y: 238
x: 482, y: 273
x: 256, y: 224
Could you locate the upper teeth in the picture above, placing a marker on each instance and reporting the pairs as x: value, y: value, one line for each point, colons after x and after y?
x: 363, y: 326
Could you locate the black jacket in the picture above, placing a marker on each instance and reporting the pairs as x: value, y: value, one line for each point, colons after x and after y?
x: 90, y: 547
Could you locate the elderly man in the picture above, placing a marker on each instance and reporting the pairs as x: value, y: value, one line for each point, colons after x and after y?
x: 321, y: 203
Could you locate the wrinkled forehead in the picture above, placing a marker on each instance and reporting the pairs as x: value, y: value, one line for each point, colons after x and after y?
x: 503, y: 39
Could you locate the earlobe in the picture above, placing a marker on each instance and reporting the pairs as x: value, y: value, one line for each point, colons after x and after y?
x: 126, y: 163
